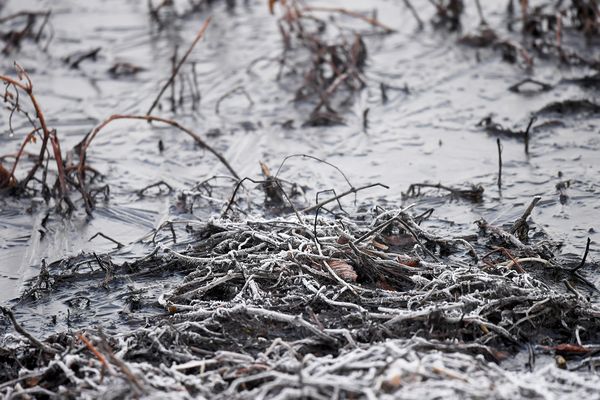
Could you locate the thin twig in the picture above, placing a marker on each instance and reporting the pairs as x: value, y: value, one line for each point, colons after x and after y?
x: 239, y: 89
x: 95, y: 352
x: 519, y: 223
x: 119, y: 244
x: 90, y: 137
x: 482, y: 20
x: 7, y: 312
x: 516, y: 88
x: 585, y: 254
x: 412, y: 232
x: 47, y: 133
x: 354, y: 14
x: 313, y: 158
x: 346, y: 193
x: 383, y: 225
x: 412, y: 9
x: 531, y: 121
x: 153, y: 185
x: 199, y: 36
x: 499, y: 163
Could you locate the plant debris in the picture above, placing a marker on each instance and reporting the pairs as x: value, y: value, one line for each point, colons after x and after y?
x: 258, y: 296
x: 269, y: 295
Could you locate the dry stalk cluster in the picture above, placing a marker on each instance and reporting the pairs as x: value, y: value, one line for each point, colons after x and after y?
x: 25, y: 25
x: 71, y: 172
x: 551, y: 30
x: 367, y: 306
x: 329, y: 59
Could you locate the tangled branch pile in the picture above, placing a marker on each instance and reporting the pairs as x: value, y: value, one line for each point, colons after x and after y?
x: 372, y: 305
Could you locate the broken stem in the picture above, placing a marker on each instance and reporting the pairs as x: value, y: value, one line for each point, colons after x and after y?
x: 199, y: 36
x: 585, y: 254
x: 346, y: 193
x: 26, y: 334
x: 353, y: 14
x: 499, y: 164
x: 88, y: 139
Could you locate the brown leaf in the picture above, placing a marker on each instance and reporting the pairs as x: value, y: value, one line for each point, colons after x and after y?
x: 378, y: 245
x: 566, y: 348
x: 6, y: 180
x: 392, y: 383
x: 272, y: 5
x: 343, y: 239
x: 271, y: 185
x: 343, y: 270
x: 401, y: 240
x: 265, y: 169
x: 407, y: 261
x: 33, y: 381
x: 383, y: 284
x: 500, y: 355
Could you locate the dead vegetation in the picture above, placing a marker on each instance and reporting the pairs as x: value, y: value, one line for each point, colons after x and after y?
x: 15, y: 89
x: 71, y: 174
x: 25, y: 25
x: 366, y: 305
x: 264, y: 300
x: 548, y: 31
x: 330, y: 60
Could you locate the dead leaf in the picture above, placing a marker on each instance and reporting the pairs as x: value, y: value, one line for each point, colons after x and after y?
x: 343, y: 239
x: 401, y: 240
x: 343, y: 270
x: 272, y: 5
x: 265, y: 169
x: 500, y: 355
x: 566, y: 348
x: 378, y: 245
x: 392, y: 383
x: 271, y: 185
x: 407, y: 261
x: 33, y: 381
x: 383, y: 284
x: 6, y: 180
x: 560, y: 362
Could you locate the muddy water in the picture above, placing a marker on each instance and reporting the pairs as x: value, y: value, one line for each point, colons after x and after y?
x: 426, y: 135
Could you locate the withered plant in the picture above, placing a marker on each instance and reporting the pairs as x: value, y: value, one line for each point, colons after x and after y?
x: 14, y: 90
x: 335, y: 60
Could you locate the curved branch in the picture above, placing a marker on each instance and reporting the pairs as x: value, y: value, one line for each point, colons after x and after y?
x: 150, y: 118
